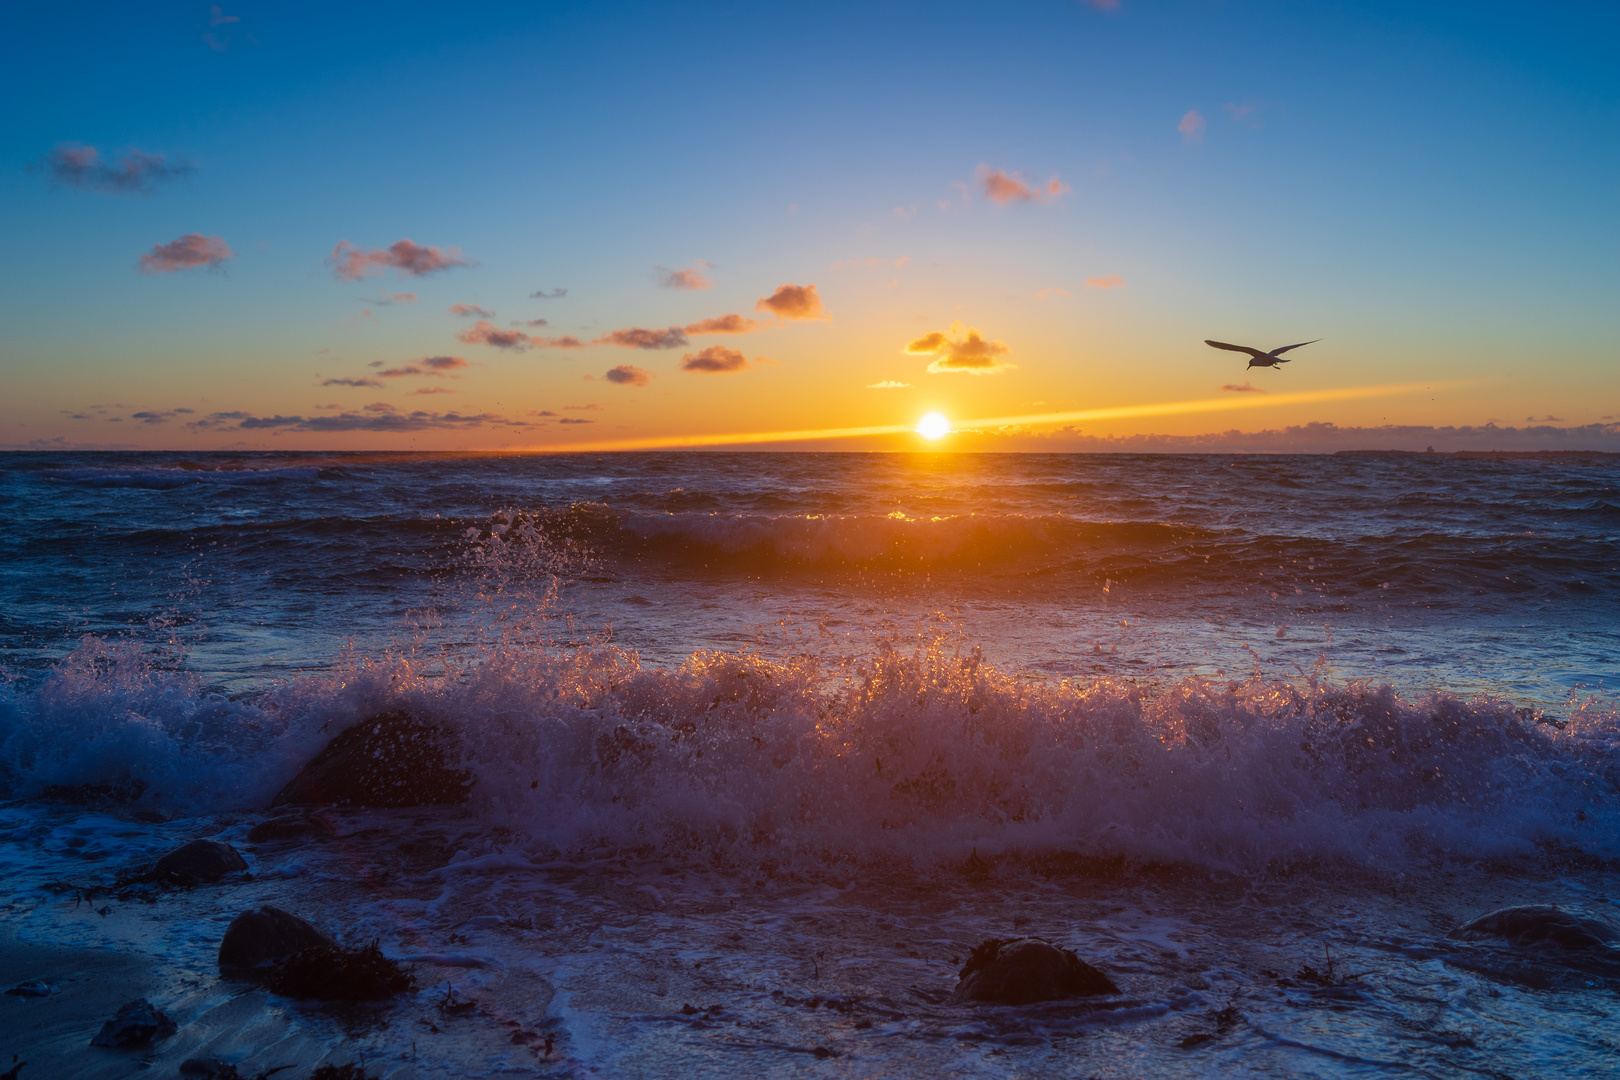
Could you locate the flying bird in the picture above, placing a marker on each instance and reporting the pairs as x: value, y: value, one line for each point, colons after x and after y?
x: 1261, y: 359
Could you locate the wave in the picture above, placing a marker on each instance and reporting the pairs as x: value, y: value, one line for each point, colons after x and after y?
x: 924, y: 754
x: 181, y: 475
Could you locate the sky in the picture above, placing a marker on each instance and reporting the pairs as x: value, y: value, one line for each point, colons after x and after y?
x: 299, y: 226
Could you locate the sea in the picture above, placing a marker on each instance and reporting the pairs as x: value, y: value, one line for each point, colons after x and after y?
x: 763, y: 744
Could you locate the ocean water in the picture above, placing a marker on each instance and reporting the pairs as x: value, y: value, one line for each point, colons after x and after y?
x: 765, y: 743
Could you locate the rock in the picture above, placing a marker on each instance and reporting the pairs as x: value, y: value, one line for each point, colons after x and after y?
x: 290, y: 827
x: 333, y: 973
x: 1540, y: 925
x: 33, y: 988
x: 262, y: 936
x: 136, y: 1024
x: 200, y: 860
x: 389, y: 760
x: 1020, y: 971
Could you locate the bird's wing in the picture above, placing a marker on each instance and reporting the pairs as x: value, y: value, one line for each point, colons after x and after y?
x: 1285, y: 348
x: 1256, y: 353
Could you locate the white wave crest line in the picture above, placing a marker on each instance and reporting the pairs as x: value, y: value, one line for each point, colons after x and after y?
x: 1117, y: 412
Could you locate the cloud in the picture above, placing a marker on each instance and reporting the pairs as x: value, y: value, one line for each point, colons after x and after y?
x: 637, y: 337
x: 969, y: 354
x: 588, y: 407
x: 410, y: 259
x: 217, y: 17
x: 1106, y: 281
x: 385, y: 298
x: 628, y: 375
x: 1192, y: 126
x: 159, y: 416
x: 1002, y: 187
x: 436, y: 366
x: 1054, y: 291
x: 723, y: 324
x: 1322, y: 438
x: 487, y: 333
x: 137, y: 172
x: 540, y: 412
x: 433, y: 390
x: 464, y: 310
x: 382, y: 418
x: 554, y: 294
x: 531, y: 322
x: 792, y: 301
x: 887, y: 384
x: 373, y: 383
x: 1243, y: 388
x: 715, y: 360
x: 190, y: 251
x: 1102, y: 5
x: 575, y: 420
x: 688, y: 279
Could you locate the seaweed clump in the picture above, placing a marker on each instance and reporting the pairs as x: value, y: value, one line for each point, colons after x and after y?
x: 333, y: 973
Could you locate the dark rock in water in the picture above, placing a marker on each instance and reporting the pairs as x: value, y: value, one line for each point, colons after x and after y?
x: 1020, y: 971
x: 1540, y: 925
x: 34, y: 988
x: 389, y: 760
x: 332, y: 973
x: 200, y: 860
x: 291, y: 827
x: 264, y: 935
x: 136, y: 1024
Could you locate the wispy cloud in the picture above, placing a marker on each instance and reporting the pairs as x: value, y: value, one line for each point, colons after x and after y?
x: 190, y: 251
x: 887, y: 384
x: 436, y: 366
x: 715, y: 360
x: 462, y: 311
x: 1106, y: 281
x: 628, y: 375
x: 1003, y: 187
x: 1053, y: 291
x: 1192, y: 126
x: 637, y: 337
x: 382, y: 417
x: 433, y: 390
x: 532, y: 322
x: 688, y: 279
x: 1243, y: 388
x: 487, y: 333
x: 554, y: 294
x: 409, y: 258
x: 575, y: 420
x: 385, y: 298
x: 137, y: 172
x: 159, y: 416
x: 792, y: 301
x: 1102, y: 5
x: 373, y: 383
x: 217, y: 18
x: 723, y: 324
x: 962, y: 353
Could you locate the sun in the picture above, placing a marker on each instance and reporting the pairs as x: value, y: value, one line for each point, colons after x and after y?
x: 933, y: 426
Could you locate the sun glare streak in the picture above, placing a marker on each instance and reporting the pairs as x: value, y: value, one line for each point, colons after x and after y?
x: 933, y: 426
x: 1166, y: 408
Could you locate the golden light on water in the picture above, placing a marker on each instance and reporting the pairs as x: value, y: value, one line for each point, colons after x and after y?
x: 933, y: 426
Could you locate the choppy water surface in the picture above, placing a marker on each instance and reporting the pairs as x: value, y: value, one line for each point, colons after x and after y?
x: 780, y: 737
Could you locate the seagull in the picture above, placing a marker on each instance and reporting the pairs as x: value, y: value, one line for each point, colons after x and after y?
x: 1261, y: 359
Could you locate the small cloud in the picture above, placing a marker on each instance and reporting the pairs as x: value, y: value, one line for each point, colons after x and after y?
x: 462, y: 311
x: 1054, y: 291
x: 385, y: 298
x: 540, y: 412
x: 554, y: 294
x: 1192, y: 126
x: 575, y: 420
x: 628, y: 375
x: 217, y: 17
x: 137, y: 172
x: 531, y: 322
x: 792, y: 301
x: 190, y: 251
x: 409, y: 258
x: 1548, y: 419
x: 373, y: 383
x: 159, y: 416
x: 1247, y: 115
x: 1102, y: 5
x: 955, y: 352
x: 487, y: 333
x: 723, y: 324
x: 433, y: 390
x: 715, y: 360
x: 1002, y: 187
x: 688, y: 279
x: 436, y: 366
x: 379, y: 406
x: 589, y: 407
x: 637, y: 337
x: 1242, y: 388
x: 887, y: 384
x: 1106, y: 281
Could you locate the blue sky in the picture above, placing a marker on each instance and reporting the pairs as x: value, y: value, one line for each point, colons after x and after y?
x: 1430, y: 188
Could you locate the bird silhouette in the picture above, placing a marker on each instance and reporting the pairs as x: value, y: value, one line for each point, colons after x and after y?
x: 1258, y: 358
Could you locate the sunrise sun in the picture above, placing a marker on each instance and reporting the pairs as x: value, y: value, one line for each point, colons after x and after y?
x: 933, y: 426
